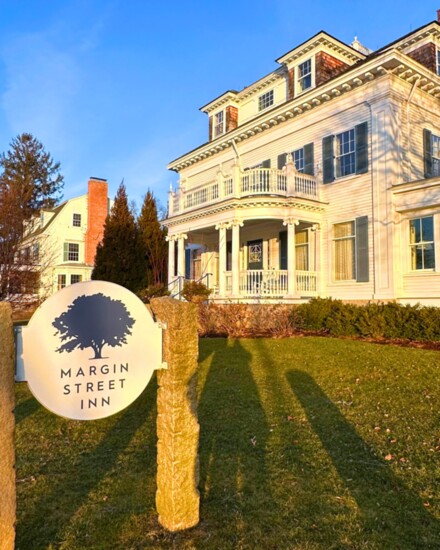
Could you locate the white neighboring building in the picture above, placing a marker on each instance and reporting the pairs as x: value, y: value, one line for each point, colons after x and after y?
x: 63, y: 240
x: 320, y: 179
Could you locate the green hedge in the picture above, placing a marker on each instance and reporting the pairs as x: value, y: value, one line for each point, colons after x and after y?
x: 388, y: 320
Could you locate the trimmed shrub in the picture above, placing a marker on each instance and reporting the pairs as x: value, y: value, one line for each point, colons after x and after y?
x: 390, y: 320
x: 153, y: 291
x: 245, y: 320
x: 194, y: 291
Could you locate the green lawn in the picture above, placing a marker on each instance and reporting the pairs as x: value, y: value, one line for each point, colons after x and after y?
x: 305, y: 443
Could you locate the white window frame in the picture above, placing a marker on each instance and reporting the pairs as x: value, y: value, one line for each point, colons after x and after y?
x: 300, y: 246
x: 76, y: 276
x: 345, y: 147
x: 61, y: 281
x: 299, y: 78
x: 263, y: 104
x: 76, y: 219
x: 351, y: 237
x: 70, y: 255
x: 298, y: 159
x: 435, y: 154
x: 421, y: 244
x: 219, y: 126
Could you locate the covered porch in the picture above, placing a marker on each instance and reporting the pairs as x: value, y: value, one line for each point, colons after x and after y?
x: 249, y: 260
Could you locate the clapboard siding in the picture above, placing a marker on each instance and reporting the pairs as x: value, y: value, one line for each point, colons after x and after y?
x: 392, y: 192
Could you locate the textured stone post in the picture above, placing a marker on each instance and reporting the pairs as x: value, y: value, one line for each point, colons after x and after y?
x: 177, y: 497
x: 7, y: 423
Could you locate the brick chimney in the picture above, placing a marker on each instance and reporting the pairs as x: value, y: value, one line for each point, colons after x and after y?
x: 97, y: 207
x: 438, y: 16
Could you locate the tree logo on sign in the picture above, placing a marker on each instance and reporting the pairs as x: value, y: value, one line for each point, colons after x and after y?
x: 93, y: 322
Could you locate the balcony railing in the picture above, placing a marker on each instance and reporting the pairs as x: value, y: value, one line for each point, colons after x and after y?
x: 257, y: 181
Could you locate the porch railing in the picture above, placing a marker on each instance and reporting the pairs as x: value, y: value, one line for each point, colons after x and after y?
x: 256, y: 282
x: 260, y: 283
x: 306, y: 283
x: 257, y: 181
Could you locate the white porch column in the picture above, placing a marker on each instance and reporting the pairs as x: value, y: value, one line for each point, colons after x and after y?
x: 171, y: 255
x: 291, y: 256
x: 236, y: 224
x: 181, y: 254
x: 316, y: 230
x: 221, y: 228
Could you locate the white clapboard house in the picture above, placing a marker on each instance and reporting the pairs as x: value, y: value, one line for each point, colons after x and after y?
x: 60, y: 244
x: 320, y: 179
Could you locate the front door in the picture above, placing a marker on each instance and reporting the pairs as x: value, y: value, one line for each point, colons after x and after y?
x: 255, y: 254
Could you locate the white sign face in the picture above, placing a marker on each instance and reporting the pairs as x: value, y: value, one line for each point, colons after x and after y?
x: 90, y: 350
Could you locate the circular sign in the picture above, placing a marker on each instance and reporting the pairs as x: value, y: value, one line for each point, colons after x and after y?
x: 90, y: 350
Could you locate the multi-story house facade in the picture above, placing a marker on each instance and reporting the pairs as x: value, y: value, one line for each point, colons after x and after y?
x: 60, y: 244
x: 320, y: 179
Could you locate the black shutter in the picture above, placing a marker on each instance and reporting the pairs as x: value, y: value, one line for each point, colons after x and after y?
x: 228, y: 255
x: 362, y: 275
x: 265, y: 164
x: 309, y: 163
x: 283, y: 249
x: 328, y: 166
x: 282, y: 159
x: 427, y: 153
x: 188, y: 258
x: 361, y: 136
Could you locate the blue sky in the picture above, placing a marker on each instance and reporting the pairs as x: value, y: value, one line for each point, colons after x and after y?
x: 113, y: 88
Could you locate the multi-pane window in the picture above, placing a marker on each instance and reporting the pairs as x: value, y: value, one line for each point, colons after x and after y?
x: 421, y: 241
x: 302, y: 250
x: 219, y: 124
x: 345, y: 153
x: 298, y: 159
x: 305, y: 75
x: 344, y: 242
x: 265, y: 100
x: 75, y: 279
x: 71, y: 252
x: 76, y: 222
x: 438, y: 62
x: 435, y: 151
x: 61, y: 281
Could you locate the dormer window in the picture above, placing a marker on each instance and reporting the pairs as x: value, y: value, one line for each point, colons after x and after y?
x: 265, y: 100
x: 219, y: 124
x: 304, y: 75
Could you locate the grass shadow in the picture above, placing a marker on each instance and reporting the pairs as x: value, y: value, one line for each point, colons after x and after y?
x: 69, y: 482
x: 25, y: 408
x: 390, y: 513
x: 234, y: 483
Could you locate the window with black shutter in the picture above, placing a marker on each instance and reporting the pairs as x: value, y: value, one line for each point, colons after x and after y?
x: 345, y: 153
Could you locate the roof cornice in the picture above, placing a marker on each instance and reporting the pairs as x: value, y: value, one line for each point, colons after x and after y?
x: 321, y: 39
x: 390, y: 62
